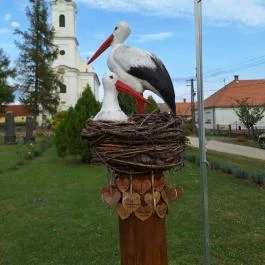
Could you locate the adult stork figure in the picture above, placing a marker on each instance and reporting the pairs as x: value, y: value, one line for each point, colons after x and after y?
x: 140, y: 69
x: 110, y: 109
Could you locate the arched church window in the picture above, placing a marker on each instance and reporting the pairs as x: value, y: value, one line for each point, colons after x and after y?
x: 62, y: 88
x: 62, y: 21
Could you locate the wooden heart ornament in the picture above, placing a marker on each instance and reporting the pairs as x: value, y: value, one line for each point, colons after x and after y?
x: 141, y: 185
x: 111, y: 197
x: 123, y: 183
x: 144, y: 212
x: 161, y: 210
x: 122, y: 212
x: 150, y: 198
x: 131, y: 201
x: 159, y: 183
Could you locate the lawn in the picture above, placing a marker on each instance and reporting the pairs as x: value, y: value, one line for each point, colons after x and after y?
x: 51, y: 213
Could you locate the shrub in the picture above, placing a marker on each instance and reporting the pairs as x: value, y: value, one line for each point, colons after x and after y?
x: 67, y: 134
x: 240, y: 173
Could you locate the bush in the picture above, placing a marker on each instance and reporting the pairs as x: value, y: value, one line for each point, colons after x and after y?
x: 240, y: 173
x: 67, y: 135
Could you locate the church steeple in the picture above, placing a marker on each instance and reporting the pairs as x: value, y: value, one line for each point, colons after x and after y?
x: 64, y: 18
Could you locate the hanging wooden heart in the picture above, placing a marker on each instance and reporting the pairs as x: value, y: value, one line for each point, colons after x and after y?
x: 149, y: 198
x: 144, y: 212
x: 123, y: 183
x: 131, y: 201
x: 141, y: 185
x: 159, y: 183
x: 111, y: 197
x: 171, y: 193
x: 161, y: 210
x: 165, y: 197
x: 122, y: 212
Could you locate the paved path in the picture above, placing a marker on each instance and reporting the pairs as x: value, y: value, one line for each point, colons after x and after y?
x: 231, y: 148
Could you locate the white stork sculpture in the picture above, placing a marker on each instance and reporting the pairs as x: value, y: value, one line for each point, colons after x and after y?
x: 138, y: 68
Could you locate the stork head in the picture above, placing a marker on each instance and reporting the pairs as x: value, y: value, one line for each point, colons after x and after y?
x: 120, y: 34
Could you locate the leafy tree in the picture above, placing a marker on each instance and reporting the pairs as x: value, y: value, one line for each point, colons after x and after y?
x: 148, y: 108
x: 127, y: 104
x: 37, y: 80
x: 67, y: 133
x: 6, y: 91
x: 249, y: 114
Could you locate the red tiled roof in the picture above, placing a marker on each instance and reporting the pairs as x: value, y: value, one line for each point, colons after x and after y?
x: 254, y: 90
x: 183, y: 109
x: 18, y: 110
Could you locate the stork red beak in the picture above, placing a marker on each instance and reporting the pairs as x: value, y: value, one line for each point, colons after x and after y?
x: 122, y: 87
x: 101, y: 49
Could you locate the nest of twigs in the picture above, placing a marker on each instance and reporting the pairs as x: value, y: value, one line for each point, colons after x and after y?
x: 144, y: 143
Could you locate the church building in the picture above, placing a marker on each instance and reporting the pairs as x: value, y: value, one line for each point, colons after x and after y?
x: 75, y: 72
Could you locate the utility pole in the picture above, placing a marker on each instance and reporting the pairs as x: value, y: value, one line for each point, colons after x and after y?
x: 192, y: 95
x: 202, y: 143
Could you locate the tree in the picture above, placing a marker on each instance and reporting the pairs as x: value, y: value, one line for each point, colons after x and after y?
x: 249, y: 114
x: 67, y: 133
x: 148, y: 108
x: 6, y: 91
x: 37, y: 80
x: 127, y: 104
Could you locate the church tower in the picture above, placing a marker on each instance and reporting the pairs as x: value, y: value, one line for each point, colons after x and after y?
x: 75, y: 73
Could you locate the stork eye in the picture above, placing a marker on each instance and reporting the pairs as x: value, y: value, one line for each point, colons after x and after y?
x: 116, y: 28
x: 111, y: 76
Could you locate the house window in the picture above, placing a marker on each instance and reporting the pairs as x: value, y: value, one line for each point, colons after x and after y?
x: 62, y: 21
x: 62, y: 88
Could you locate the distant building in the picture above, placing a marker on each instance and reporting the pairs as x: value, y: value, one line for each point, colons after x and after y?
x: 219, y: 107
x: 183, y: 109
x: 75, y: 72
x: 20, y: 113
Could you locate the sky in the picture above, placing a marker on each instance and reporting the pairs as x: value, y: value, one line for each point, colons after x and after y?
x: 233, y: 36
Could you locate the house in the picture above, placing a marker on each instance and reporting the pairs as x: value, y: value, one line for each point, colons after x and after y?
x: 74, y: 72
x: 184, y: 109
x: 20, y: 113
x: 219, y: 107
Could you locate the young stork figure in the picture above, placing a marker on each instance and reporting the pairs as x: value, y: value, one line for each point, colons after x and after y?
x: 110, y: 109
x: 140, y: 69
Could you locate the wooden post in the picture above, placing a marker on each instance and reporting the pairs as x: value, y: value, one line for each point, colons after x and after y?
x: 143, y: 243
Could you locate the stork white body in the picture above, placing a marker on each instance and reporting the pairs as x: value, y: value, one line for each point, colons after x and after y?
x: 110, y: 109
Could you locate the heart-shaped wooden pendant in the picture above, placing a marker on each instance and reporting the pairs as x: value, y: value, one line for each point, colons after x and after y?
x: 111, y: 197
x: 123, y: 183
x: 179, y: 191
x: 131, y: 202
x: 159, y: 183
x: 150, y: 198
x: 141, y: 185
x: 122, y: 212
x: 161, y: 210
x: 144, y: 212
x: 171, y: 193
x: 165, y: 197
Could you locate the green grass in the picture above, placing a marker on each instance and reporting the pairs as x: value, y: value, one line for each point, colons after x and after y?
x: 51, y: 213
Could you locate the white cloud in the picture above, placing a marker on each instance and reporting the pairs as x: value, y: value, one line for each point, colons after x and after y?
x: 15, y: 24
x: 246, y: 12
x: 155, y: 36
x: 7, y: 17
